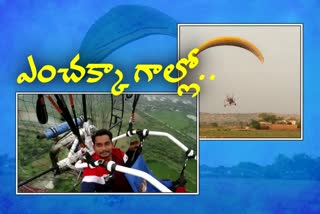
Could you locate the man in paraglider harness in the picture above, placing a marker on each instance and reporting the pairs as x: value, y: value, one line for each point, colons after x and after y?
x: 98, y: 179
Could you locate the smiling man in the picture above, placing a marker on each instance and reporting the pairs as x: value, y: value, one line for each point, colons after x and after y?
x: 98, y: 179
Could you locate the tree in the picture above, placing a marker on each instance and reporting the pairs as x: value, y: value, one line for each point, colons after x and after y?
x: 283, y: 162
x: 255, y: 124
x: 284, y: 165
x: 214, y: 124
x: 272, y: 118
x: 299, y: 124
x: 241, y: 123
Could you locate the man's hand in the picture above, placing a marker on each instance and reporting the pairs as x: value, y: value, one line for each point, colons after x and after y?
x: 88, y: 131
x: 88, y: 128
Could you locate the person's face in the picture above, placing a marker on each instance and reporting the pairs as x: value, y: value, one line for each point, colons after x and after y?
x: 103, y: 146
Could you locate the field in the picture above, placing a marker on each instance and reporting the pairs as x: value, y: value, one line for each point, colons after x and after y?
x: 251, y: 133
x: 248, y: 125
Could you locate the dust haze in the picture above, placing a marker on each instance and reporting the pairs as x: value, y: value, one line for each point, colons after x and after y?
x: 274, y: 86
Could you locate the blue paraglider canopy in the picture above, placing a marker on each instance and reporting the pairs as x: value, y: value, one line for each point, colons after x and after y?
x: 122, y: 25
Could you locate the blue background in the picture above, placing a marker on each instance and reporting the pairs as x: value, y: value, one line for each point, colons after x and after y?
x: 52, y: 32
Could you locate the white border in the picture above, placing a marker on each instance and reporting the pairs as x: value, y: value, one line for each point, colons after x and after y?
x: 95, y: 194
x: 301, y: 81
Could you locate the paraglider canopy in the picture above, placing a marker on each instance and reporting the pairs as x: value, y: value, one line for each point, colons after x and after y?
x: 232, y: 41
x: 119, y: 27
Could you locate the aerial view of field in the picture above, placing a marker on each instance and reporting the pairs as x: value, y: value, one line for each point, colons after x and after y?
x: 257, y: 125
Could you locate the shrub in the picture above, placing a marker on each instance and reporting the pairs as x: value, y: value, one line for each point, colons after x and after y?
x: 255, y: 124
x: 299, y: 124
x: 214, y: 125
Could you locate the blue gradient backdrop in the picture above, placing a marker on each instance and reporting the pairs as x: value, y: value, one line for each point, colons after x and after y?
x: 52, y: 32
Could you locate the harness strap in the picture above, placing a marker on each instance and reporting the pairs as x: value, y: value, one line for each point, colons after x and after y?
x: 134, y: 105
x: 189, y: 155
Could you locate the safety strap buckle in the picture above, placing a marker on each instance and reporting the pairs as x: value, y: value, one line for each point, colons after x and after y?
x: 190, y: 154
